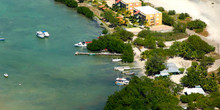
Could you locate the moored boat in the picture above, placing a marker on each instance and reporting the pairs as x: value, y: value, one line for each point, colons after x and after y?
x: 116, y: 60
x: 46, y: 34
x: 40, y: 34
x: 2, y: 39
x: 121, y: 81
x: 6, y: 75
x: 129, y: 73
x: 80, y: 44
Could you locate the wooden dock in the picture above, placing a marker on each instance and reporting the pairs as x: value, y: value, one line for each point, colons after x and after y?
x: 102, y: 53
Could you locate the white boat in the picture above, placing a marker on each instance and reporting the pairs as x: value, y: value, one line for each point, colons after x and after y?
x: 81, y: 44
x: 129, y: 73
x: 46, y: 34
x: 116, y: 60
x: 121, y: 81
x: 6, y: 75
x: 40, y: 34
x: 122, y: 68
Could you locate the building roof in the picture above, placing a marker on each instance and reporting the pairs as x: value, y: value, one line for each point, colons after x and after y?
x: 189, y: 91
x: 130, y: 1
x: 172, y: 68
x: 147, y: 10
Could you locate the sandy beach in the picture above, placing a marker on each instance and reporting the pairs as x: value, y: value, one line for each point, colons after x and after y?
x: 198, y: 9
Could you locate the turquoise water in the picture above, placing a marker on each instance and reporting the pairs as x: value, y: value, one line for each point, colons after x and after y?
x: 44, y: 74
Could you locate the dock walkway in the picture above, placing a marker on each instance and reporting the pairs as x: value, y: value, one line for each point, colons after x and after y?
x: 102, y: 53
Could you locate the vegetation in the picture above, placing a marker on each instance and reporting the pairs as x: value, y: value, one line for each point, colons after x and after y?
x: 171, y: 12
x: 167, y: 20
x: 123, y: 34
x: 144, y: 93
x: 197, y: 75
x: 196, y: 24
x: 128, y: 55
x: 154, y: 64
x: 198, y: 101
x: 69, y: 3
x: 180, y: 27
x: 193, y: 48
x: 114, y: 44
x: 183, y: 16
x: 160, y: 9
x: 104, y: 31
x: 110, y: 16
x: 85, y: 11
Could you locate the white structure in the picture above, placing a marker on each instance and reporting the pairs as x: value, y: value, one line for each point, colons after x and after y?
x: 188, y: 91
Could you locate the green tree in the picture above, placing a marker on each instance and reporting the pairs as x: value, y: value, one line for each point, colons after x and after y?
x: 128, y: 55
x: 154, y: 65
x: 85, y: 11
x: 171, y: 12
x: 196, y: 24
x: 71, y: 3
x: 167, y: 19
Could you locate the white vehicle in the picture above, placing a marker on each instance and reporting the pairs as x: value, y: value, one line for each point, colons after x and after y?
x: 46, y: 34
x: 40, y: 34
x: 116, y: 60
x: 81, y: 44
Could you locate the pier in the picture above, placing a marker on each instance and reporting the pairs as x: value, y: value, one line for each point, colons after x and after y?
x: 102, y: 53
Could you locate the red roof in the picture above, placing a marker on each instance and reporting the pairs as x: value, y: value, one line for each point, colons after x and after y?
x: 137, y: 12
x: 118, y: 1
x: 119, y: 17
x: 101, y: 6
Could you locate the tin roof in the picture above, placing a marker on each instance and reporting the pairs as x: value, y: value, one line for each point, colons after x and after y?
x: 147, y: 10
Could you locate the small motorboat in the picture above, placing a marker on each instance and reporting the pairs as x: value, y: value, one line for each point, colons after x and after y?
x: 46, y: 34
x: 116, y: 60
x: 40, y: 34
x: 129, y: 73
x: 121, y: 81
x: 2, y: 39
x: 6, y: 75
x: 81, y: 44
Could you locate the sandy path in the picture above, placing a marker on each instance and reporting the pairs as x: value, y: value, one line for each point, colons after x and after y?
x: 138, y: 62
x: 180, y: 63
x: 215, y: 66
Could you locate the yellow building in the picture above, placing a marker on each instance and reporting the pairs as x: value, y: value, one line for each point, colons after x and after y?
x: 148, y: 16
x: 129, y: 4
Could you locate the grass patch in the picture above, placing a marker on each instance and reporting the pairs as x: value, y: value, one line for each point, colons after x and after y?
x: 169, y: 36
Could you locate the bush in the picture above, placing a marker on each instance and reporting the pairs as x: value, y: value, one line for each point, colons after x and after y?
x: 160, y: 9
x: 167, y: 20
x: 181, y: 70
x: 144, y: 33
x: 183, y: 16
x: 180, y: 27
x: 139, y: 41
x: 190, y: 98
x: 71, y: 3
x: 171, y: 12
x: 104, y: 31
x: 128, y: 55
x: 160, y: 44
x: 196, y: 24
x: 85, y: 11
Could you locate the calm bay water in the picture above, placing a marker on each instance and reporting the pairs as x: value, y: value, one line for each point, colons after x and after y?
x: 51, y: 77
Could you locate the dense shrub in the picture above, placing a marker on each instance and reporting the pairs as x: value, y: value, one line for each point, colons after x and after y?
x: 154, y: 64
x: 196, y: 24
x: 171, y: 12
x: 123, y: 34
x: 69, y: 3
x: 183, y: 16
x: 144, y: 33
x: 110, y: 16
x: 139, y: 41
x: 113, y: 44
x: 104, y: 31
x: 190, y: 98
x: 180, y: 27
x: 85, y: 11
x: 143, y: 94
x: 128, y: 55
x: 160, y: 9
x: 160, y: 43
x: 167, y: 20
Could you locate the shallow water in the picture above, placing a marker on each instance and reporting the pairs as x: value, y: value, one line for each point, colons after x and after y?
x: 198, y: 9
x: 44, y: 74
